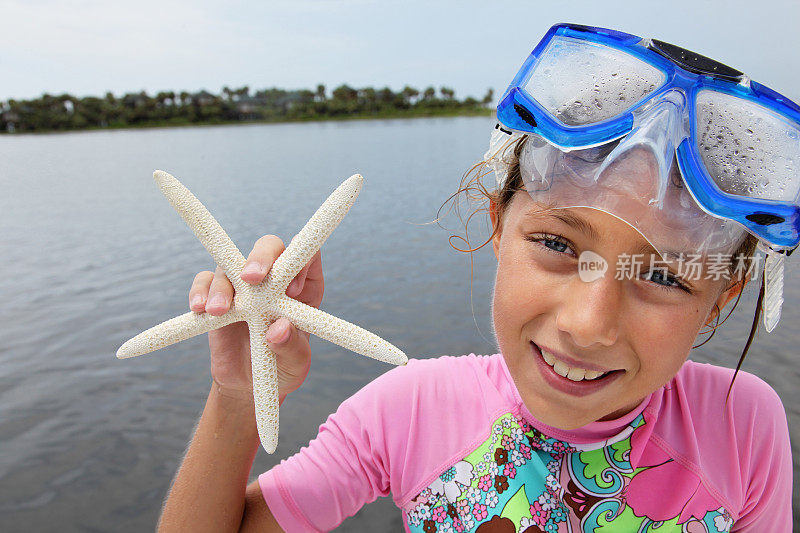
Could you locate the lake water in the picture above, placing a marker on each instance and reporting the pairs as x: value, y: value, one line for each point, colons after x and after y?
x: 93, y: 254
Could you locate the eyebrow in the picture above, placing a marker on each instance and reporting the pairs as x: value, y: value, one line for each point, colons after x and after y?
x: 590, y: 231
x: 578, y: 223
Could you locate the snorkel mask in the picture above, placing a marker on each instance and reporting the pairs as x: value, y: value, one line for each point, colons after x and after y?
x: 723, y: 151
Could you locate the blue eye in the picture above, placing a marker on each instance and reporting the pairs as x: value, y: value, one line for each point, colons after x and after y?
x: 555, y: 243
x: 660, y: 277
x: 665, y: 280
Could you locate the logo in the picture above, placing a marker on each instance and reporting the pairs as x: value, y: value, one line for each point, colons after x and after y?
x: 591, y: 266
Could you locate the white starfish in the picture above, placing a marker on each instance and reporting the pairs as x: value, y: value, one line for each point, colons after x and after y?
x: 261, y: 304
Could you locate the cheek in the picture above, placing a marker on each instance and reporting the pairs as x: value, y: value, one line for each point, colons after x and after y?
x: 665, y: 339
x: 512, y: 289
x: 503, y: 298
x: 522, y: 290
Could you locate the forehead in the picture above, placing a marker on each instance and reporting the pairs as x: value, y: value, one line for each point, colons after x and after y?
x: 604, y: 232
x: 634, y: 186
x: 599, y: 227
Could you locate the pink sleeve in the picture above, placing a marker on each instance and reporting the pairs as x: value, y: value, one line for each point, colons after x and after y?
x: 339, y: 471
x: 767, y: 466
x: 388, y: 437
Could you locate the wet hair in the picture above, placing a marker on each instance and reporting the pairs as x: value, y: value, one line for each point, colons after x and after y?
x: 475, y: 193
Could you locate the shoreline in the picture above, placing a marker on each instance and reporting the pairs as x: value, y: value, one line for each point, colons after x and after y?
x: 427, y: 113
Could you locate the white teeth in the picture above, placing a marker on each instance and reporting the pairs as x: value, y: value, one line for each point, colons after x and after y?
x: 592, y: 374
x: 574, y: 374
x: 561, y: 369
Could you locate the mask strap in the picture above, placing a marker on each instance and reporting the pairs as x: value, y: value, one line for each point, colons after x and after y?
x: 773, y: 287
x: 496, y: 157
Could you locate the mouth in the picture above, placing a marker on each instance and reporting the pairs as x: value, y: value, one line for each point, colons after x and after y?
x: 572, y: 378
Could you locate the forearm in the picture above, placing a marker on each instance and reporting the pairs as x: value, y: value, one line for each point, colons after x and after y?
x: 208, y: 493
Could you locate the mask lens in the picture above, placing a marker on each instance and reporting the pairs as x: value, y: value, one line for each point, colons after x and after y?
x: 581, y: 82
x: 748, y: 149
x: 626, y: 185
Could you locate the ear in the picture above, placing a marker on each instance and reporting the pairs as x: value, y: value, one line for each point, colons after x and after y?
x: 497, y: 227
x: 727, y: 295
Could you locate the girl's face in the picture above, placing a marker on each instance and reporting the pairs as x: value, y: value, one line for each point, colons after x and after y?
x: 638, y: 330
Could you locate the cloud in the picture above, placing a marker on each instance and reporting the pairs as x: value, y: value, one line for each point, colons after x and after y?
x: 89, y: 47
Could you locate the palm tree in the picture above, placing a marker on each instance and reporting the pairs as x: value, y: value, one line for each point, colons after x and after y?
x: 345, y: 93
x: 242, y: 92
x: 409, y: 93
x: 161, y: 98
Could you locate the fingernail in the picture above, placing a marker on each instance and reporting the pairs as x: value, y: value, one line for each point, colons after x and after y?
x: 278, y: 332
x: 197, y: 300
x: 251, y: 268
x: 218, y: 300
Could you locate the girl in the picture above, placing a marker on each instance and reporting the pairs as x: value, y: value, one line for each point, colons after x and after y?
x: 635, y: 181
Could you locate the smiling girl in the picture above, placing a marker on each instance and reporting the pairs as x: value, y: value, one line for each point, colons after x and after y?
x: 664, y: 170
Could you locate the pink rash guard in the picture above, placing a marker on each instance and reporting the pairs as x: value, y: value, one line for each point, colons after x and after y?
x: 453, y: 443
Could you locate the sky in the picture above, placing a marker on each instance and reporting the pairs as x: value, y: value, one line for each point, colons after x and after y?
x: 90, y: 47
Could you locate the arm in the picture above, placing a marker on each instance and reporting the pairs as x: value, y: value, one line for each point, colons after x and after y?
x: 210, y: 492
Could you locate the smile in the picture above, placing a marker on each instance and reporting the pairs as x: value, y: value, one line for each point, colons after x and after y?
x: 572, y: 378
x: 573, y: 373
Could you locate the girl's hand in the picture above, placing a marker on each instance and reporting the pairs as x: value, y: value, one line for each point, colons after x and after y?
x: 230, y: 346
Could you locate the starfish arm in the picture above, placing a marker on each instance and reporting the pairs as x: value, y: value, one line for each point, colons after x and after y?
x: 319, y: 227
x: 177, y: 329
x: 338, y: 331
x: 265, y: 385
x: 204, y: 226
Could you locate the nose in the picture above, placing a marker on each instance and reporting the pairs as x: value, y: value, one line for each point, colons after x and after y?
x: 590, y: 311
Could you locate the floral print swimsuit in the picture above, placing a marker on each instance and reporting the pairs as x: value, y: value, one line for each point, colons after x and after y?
x: 682, y: 461
x: 522, y: 480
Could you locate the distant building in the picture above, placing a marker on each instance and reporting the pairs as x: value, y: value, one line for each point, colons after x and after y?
x: 291, y: 99
x: 135, y: 100
x: 247, y: 107
x: 203, y: 98
x: 9, y: 120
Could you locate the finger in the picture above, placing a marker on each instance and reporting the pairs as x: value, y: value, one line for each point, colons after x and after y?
x: 279, y: 332
x: 283, y: 335
x: 292, y: 351
x: 313, y: 285
x: 263, y: 254
x: 296, y: 285
x: 220, y: 294
x: 198, y: 293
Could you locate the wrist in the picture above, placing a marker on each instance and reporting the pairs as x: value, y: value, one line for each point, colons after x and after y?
x: 232, y: 393
x: 237, y: 399
x: 232, y: 400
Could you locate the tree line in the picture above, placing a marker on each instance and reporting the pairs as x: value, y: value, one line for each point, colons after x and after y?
x: 66, y: 112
